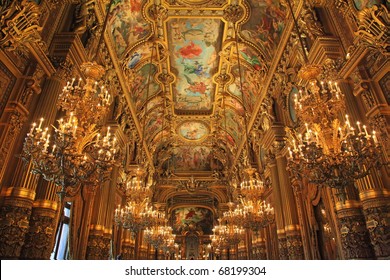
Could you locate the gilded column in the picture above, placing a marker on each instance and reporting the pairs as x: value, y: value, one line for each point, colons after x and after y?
x: 96, y: 247
x: 39, y: 241
x: 279, y: 220
x: 355, y: 238
x: 290, y: 214
x: 303, y: 220
x: 100, y: 236
x: 375, y: 199
x: 261, y: 249
x: 127, y: 248
x: 19, y: 191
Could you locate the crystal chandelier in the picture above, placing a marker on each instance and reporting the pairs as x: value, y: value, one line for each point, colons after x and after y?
x: 328, y: 152
x: 89, y: 100
x: 136, y: 216
x: 77, y: 153
x: 257, y: 214
x: 232, y: 231
x: 334, y: 156
x: 136, y: 189
x: 159, y: 234
x: 252, y: 187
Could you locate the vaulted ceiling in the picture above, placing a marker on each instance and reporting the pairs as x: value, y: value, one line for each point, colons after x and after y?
x: 180, y: 61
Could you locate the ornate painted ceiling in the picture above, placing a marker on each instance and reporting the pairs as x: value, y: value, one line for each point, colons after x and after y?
x: 183, y: 75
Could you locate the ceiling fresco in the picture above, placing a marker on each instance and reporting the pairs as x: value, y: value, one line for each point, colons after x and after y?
x: 265, y: 29
x: 195, y: 103
x: 194, y: 43
x: 193, y: 130
x: 127, y: 24
x: 193, y: 158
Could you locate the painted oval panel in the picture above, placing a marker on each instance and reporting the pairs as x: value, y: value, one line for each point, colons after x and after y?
x: 193, y: 130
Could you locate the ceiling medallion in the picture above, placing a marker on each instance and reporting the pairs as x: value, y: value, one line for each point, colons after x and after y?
x: 193, y: 130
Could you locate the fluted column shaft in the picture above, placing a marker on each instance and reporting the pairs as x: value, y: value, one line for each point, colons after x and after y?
x: 19, y: 194
x: 290, y: 213
x: 279, y: 220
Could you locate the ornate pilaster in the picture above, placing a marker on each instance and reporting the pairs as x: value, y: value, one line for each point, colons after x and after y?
x: 261, y: 250
x: 282, y: 242
x: 38, y: 243
x: 17, y: 115
x: 355, y: 238
x: 98, y: 247
x: 291, y: 221
x: 127, y: 252
x: 43, y: 223
x: 13, y: 228
x: 302, y: 215
x: 376, y: 210
x: 279, y: 220
x: 294, y: 245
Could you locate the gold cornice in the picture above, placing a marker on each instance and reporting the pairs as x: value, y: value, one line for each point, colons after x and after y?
x: 292, y: 228
x: 349, y: 204
x: 373, y: 193
x: 20, y: 193
x: 96, y: 228
x: 48, y: 204
x: 325, y: 47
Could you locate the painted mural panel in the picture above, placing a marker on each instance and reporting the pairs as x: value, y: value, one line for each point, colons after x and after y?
x: 138, y: 88
x: 154, y: 122
x: 267, y: 26
x: 193, y: 158
x: 192, y: 218
x: 235, y: 104
x: 250, y: 85
x: 157, y: 101
x: 193, y: 130
x: 232, y: 125
x: 195, y: 44
x: 127, y: 24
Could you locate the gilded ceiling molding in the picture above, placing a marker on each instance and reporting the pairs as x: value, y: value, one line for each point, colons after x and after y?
x: 196, y: 3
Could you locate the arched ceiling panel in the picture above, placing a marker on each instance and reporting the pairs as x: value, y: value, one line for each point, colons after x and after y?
x: 127, y: 25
